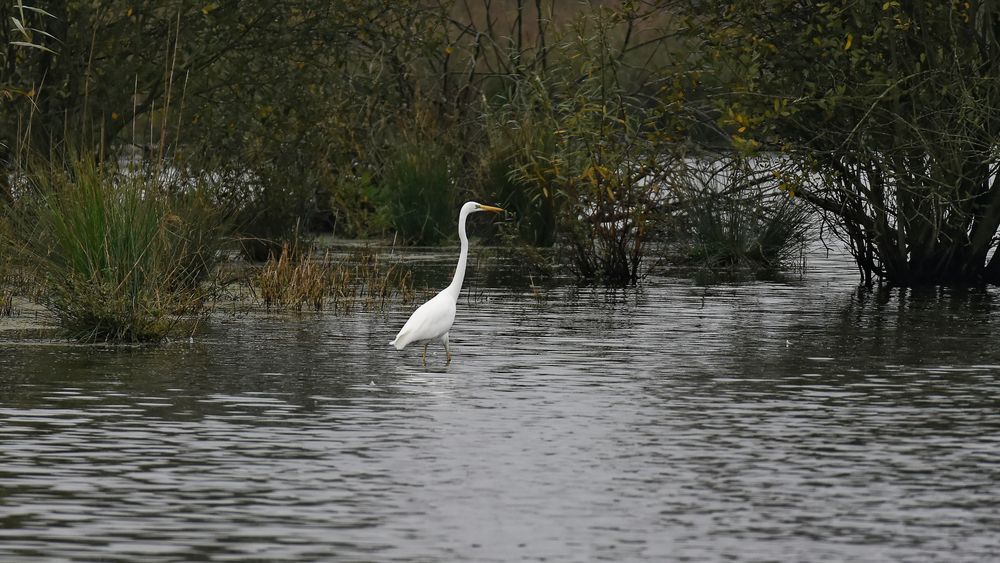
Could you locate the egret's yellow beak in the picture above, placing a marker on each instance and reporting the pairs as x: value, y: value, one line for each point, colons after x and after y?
x: 490, y: 208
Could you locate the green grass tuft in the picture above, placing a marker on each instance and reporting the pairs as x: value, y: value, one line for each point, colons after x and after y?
x: 749, y: 232
x: 119, y: 258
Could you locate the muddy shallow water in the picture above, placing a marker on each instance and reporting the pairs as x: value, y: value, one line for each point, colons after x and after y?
x: 755, y: 422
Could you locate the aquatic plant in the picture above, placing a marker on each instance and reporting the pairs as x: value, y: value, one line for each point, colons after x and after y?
x: 297, y: 278
x: 366, y: 279
x: 8, y: 278
x: 729, y: 221
x: 291, y: 279
x: 759, y: 235
x: 118, y: 257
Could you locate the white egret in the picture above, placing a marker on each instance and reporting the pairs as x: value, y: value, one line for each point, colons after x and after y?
x: 432, y: 320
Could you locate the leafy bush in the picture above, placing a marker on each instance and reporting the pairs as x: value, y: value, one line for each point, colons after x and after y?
x: 601, y: 183
x: 596, y: 152
x: 353, y: 202
x: 516, y: 169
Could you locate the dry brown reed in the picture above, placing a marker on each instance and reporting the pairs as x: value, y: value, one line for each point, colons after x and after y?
x: 290, y: 281
x: 361, y: 280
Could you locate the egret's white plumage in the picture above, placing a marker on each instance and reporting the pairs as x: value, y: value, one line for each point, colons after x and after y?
x: 432, y: 320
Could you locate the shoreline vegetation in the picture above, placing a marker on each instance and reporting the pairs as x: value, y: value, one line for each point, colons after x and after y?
x: 339, y: 277
x: 159, y: 158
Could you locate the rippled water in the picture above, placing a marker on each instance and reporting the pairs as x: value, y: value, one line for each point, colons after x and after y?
x: 759, y: 422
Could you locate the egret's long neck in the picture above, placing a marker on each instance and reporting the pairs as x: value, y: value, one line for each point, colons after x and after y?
x: 463, y: 257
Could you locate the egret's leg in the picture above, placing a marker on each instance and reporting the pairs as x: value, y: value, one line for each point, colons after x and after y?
x: 447, y: 348
x: 425, y: 354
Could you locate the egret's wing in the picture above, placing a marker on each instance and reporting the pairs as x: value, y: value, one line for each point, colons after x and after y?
x: 429, y: 321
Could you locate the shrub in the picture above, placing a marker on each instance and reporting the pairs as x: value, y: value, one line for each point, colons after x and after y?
x: 516, y: 170
x: 605, y: 190
x: 595, y: 150
x: 353, y: 201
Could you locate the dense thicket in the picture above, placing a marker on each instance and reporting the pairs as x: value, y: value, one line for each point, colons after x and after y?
x: 886, y: 116
x: 592, y: 121
x: 371, y: 116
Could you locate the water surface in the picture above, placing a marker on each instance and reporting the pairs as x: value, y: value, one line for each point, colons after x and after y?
x: 756, y: 422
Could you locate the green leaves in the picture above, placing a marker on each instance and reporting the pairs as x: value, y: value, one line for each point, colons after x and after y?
x: 23, y: 29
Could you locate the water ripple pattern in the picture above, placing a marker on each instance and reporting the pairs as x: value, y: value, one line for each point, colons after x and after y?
x: 791, y: 421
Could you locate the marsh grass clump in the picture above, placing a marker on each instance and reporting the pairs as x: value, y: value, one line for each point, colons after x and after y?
x: 371, y: 281
x: 6, y: 295
x: 293, y: 280
x: 296, y: 279
x: 748, y: 232
x: 16, y: 279
x: 118, y: 257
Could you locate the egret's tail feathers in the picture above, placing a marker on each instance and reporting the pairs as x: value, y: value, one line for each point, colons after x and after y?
x: 392, y: 342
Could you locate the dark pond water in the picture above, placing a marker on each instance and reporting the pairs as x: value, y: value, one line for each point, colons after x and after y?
x: 759, y: 422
